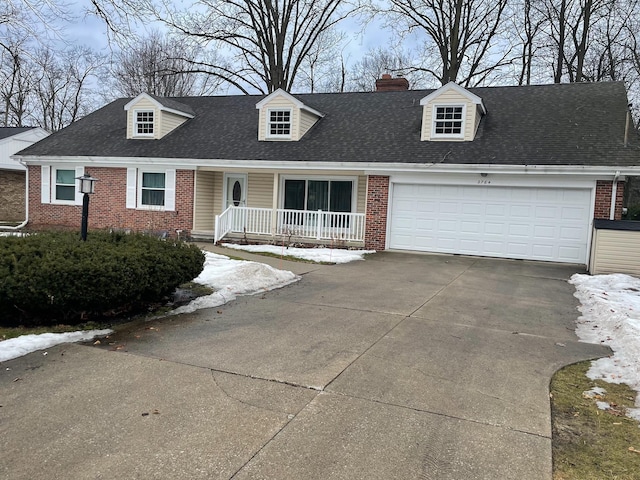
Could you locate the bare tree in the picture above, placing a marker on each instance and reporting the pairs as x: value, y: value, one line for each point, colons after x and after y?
x: 37, y: 19
x: 159, y: 65
x: 569, y: 25
x: 15, y: 83
x: 461, y: 35
x: 265, y: 41
x: 61, y: 91
x: 318, y: 69
x: 377, y: 61
x: 527, y: 23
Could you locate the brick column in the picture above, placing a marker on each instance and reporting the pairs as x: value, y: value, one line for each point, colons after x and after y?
x: 603, y: 200
x: 375, y: 234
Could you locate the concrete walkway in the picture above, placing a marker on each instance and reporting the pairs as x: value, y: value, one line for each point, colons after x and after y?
x: 403, y: 366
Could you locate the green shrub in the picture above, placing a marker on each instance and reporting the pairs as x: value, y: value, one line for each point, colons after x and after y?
x: 50, y: 277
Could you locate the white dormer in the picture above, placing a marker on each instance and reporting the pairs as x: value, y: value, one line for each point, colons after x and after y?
x: 284, y: 118
x: 451, y: 113
x: 151, y: 117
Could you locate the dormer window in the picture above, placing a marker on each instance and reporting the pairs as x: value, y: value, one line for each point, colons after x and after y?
x: 144, y: 123
x: 153, y: 117
x: 448, y: 121
x: 451, y: 114
x: 279, y: 124
x: 283, y: 117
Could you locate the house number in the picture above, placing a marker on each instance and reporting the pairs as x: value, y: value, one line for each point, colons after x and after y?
x: 484, y: 182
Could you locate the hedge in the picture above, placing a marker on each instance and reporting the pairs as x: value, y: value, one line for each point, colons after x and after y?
x: 56, y: 277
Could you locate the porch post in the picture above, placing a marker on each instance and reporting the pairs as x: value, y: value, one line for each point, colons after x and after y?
x: 274, y: 216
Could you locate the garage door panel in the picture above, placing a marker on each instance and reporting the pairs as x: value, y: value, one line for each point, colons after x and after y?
x: 540, y: 251
x: 546, y: 212
x: 519, y: 230
x: 520, y: 211
x: 514, y: 222
x: 515, y: 249
x: 571, y: 213
x: 492, y: 228
x: 569, y: 233
x: 497, y: 210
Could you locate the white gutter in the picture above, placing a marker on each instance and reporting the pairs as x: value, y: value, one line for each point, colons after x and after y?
x: 26, y: 203
x: 369, y: 168
x: 614, y: 194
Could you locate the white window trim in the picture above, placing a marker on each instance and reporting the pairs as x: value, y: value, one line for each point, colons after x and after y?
x: 352, y: 179
x: 134, y: 189
x: 434, y: 120
x: 135, y: 122
x: 268, y: 122
x: 51, y: 187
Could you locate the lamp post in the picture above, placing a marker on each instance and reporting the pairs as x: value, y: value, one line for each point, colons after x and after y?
x: 87, y: 186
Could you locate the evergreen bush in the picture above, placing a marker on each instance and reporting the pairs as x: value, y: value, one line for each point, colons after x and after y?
x: 55, y: 277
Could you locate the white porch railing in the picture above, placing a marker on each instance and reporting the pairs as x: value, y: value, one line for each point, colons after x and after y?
x: 317, y: 225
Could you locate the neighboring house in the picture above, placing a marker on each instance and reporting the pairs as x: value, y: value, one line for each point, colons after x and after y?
x: 515, y: 172
x: 12, y: 174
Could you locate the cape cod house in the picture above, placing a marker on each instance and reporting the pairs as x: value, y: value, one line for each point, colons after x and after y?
x: 514, y: 172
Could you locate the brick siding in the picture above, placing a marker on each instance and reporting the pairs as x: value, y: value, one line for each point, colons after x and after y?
x: 12, y: 196
x: 603, y: 200
x: 107, y: 206
x: 375, y: 235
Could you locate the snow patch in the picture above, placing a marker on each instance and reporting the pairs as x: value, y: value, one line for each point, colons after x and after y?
x: 610, y: 307
x: 231, y: 278
x: 324, y: 255
x: 17, y: 347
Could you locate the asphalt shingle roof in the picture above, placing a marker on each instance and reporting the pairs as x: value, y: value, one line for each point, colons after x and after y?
x: 11, y: 131
x: 565, y: 124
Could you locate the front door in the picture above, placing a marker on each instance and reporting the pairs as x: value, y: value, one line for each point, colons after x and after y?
x: 236, y: 190
x: 236, y: 195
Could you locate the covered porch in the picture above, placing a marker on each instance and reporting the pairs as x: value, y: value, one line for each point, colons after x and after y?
x: 291, y: 207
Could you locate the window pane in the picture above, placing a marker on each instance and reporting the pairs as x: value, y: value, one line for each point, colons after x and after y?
x: 153, y: 197
x: 144, y: 122
x: 294, y: 194
x: 65, y: 192
x: 341, y: 196
x: 280, y: 122
x: 318, y: 195
x: 66, y: 177
x: 153, y: 180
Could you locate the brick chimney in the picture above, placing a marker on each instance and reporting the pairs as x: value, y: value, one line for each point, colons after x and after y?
x: 388, y: 84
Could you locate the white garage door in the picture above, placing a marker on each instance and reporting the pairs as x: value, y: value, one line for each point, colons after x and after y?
x: 512, y: 222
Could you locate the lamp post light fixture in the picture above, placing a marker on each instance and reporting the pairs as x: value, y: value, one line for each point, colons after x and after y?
x: 87, y: 186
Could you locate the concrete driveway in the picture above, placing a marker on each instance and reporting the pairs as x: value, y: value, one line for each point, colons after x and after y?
x: 404, y: 366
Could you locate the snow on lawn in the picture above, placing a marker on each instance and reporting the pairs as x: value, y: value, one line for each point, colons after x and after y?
x: 611, y: 316
x: 326, y: 255
x: 231, y: 278
x: 19, y: 346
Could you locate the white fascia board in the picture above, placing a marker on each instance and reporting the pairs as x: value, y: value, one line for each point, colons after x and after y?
x: 157, y: 104
x: 369, y: 168
x: 454, y: 86
x: 281, y: 93
x: 141, y: 96
x: 176, y: 112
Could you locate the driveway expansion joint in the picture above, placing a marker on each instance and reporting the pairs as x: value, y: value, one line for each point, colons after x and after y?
x: 439, y: 414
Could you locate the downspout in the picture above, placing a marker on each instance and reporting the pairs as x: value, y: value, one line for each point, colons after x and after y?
x: 26, y: 206
x: 626, y: 126
x: 614, y: 194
